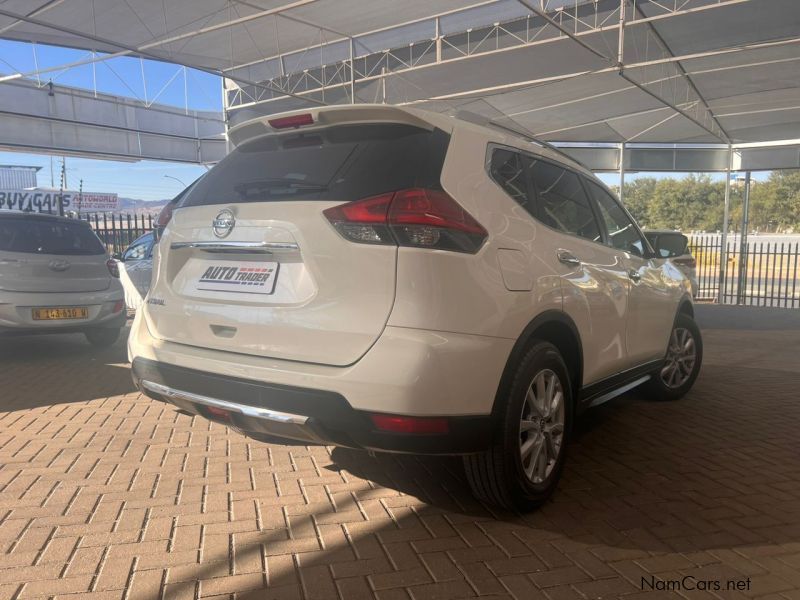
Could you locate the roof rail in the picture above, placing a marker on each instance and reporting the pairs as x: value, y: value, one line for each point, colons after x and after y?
x: 487, y: 122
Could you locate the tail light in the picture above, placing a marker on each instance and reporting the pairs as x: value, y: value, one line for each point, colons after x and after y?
x: 118, y: 306
x: 415, y: 217
x: 113, y: 267
x: 165, y: 215
x: 686, y: 262
x: 414, y: 425
x: 292, y: 121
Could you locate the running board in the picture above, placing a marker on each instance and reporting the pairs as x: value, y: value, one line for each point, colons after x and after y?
x: 619, y: 391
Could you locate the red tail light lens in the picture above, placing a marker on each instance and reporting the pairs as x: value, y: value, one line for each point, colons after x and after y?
x: 413, y: 425
x: 686, y: 262
x: 113, y: 267
x: 415, y: 217
x: 293, y: 121
x: 118, y: 306
x: 165, y: 215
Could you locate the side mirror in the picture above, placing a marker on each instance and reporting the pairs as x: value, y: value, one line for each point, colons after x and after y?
x: 671, y: 245
x: 118, y: 256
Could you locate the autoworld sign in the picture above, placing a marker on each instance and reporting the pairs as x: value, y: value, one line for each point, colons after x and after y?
x: 47, y: 201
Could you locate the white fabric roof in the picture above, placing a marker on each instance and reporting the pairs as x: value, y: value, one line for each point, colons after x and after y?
x: 704, y: 71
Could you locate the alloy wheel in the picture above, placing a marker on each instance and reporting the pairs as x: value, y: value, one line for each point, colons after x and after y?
x: 541, y: 432
x: 681, y: 358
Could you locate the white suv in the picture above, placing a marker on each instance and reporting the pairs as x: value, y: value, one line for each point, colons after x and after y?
x: 389, y: 279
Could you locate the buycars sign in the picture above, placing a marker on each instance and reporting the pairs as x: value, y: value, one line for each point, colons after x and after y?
x: 48, y: 201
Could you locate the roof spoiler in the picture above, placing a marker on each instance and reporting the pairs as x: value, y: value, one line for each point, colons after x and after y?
x: 324, y: 116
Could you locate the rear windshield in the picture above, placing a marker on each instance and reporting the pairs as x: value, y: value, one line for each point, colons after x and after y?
x: 43, y: 236
x: 345, y: 162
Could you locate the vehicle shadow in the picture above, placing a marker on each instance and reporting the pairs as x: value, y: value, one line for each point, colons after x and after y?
x: 44, y: 370
x: 717, y: 469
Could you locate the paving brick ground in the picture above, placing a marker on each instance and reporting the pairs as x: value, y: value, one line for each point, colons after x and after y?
x: 105, y: 494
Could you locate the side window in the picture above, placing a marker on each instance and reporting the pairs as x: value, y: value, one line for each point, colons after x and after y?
x: 140, y: 249
x: 622, y: 233
x: 507, y: 169
x: 563, y: 204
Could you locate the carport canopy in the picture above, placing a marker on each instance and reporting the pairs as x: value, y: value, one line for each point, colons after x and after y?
x: 715, y: 72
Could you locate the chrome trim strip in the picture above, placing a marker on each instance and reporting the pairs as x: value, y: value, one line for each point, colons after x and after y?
x: 619, y: 391
x: 258, y: 247
x: 250, y: 411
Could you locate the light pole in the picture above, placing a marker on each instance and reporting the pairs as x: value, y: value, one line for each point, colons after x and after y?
x: 176, y: 179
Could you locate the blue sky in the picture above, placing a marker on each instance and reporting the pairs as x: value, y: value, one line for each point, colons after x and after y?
x: 144, y: 180
x: 122, y: 76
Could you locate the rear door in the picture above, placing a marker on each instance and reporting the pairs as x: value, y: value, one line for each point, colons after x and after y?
x: 594, y: 280
x: 48, y: 254
x: 250, y: 264
x: 653, y: 295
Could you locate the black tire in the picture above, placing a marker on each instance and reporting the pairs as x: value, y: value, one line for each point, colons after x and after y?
x: 498, y: 475
x: 657, y: 388
x: 102, y: 338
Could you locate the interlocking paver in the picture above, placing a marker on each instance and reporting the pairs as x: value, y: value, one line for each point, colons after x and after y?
x: 104, y: 492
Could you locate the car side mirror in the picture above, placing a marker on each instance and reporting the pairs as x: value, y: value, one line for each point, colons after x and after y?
x: 670, y: 246
x: 118, y: 256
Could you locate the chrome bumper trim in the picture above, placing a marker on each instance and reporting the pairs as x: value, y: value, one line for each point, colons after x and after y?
x: 250, y: 411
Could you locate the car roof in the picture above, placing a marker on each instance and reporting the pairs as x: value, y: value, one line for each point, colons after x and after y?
x: 325, y: 116
x: 22, y: 214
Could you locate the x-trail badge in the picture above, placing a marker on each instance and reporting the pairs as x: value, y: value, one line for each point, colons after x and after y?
x: 223, y: 223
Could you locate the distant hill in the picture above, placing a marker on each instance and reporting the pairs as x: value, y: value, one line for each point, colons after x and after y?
x: 146, y: 206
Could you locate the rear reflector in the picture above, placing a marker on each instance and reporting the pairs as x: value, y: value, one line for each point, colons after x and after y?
x: 397, y: 424
x: 219, y: 413
x: 293, y: 121
x: 416, y: 217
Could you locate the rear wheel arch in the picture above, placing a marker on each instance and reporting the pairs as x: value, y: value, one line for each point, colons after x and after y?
x: 551, y: 326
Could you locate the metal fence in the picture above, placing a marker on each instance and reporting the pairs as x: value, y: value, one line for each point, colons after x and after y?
x: 764, y: 274
x: 118, y: 231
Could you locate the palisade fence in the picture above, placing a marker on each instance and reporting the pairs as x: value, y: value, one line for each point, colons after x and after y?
x: 765, y: 274
x: 118, y: 231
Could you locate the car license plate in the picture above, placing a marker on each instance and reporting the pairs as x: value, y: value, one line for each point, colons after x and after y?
x: 243, y: 277
x: 59, y: 313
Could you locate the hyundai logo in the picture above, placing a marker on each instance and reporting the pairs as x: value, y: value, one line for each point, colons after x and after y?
x: 59, y: 265
x: 223, y: 223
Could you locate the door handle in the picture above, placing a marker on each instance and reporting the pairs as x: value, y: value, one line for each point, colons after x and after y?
x: 635, y: 276
x: 568, y: 258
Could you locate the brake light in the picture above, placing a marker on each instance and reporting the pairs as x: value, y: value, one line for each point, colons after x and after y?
x: 415, y: 217
x: 113, y: 267
x: 414, y: 425
x: 165, y: 215
x: 118, y: 306
x: 293, y: 121
x: 686, y: 262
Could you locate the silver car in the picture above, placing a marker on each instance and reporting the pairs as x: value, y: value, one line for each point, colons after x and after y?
x: 56, y: 277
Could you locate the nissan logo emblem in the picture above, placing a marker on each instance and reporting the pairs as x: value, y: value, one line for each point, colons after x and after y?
x: 223, y: 223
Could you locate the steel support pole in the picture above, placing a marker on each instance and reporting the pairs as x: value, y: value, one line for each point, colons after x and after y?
x: 622, y: 172
x: 723, y: 254
x: 743, y: 240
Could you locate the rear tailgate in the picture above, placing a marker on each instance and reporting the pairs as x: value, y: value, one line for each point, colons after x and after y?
x: 43, y: 254
x: 250, y: 264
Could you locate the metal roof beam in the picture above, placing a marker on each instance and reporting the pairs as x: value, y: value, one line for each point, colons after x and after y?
x: 689, y: 81
x: 130, y: 50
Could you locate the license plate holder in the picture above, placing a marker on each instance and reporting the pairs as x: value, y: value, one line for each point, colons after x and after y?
x: 237, y: 277
x: 60, y: 313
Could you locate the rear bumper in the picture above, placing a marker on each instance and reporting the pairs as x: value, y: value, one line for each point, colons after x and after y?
x: 16, y: 317
x: 273, y: 412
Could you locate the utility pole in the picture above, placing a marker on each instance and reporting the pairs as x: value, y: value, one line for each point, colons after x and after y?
x: 744, y: 250
x: 63, y: 186
x: 80, y: 197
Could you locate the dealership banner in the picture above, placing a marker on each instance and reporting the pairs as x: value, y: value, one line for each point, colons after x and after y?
x: 47, y: 201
